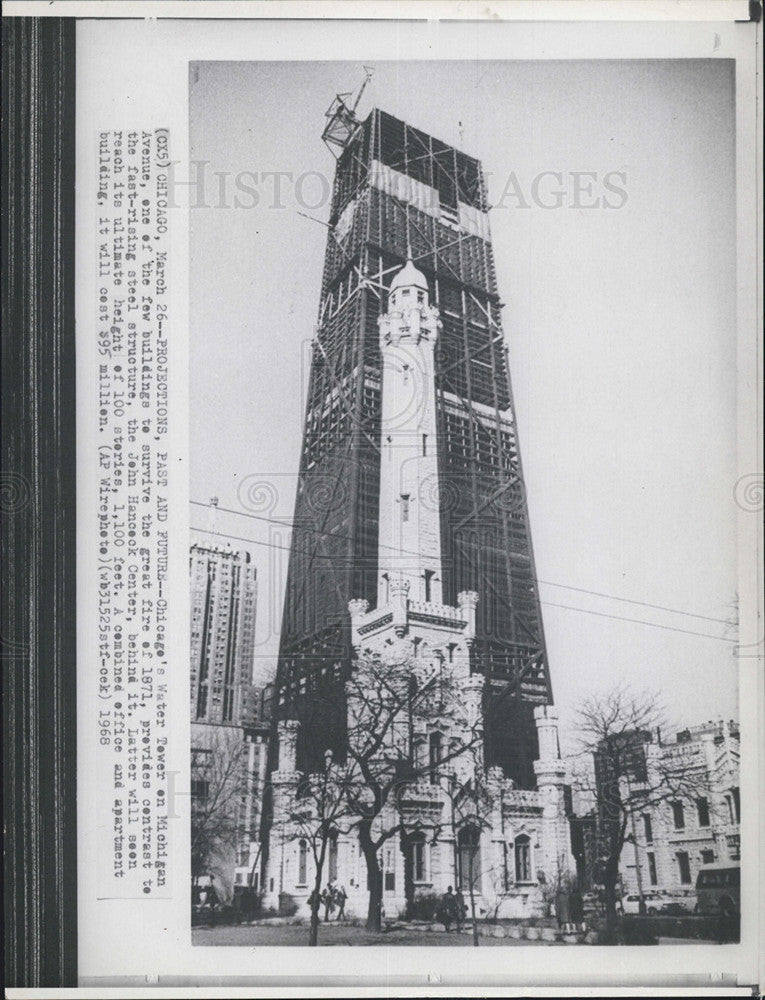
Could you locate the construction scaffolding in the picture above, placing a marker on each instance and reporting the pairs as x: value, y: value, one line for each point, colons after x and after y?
x: 399, y: 192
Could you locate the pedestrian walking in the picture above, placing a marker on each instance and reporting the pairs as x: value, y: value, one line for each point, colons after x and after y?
x: 460, y: 909
x: 329, y: 903
x: 340, y: 897
x: 562, y: 907
x: 446, y: 909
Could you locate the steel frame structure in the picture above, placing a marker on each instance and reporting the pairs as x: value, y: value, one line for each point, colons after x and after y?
x: 397, y: 193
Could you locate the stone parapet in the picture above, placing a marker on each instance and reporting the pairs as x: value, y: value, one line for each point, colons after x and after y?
x: 400, y: 611
x: 451, y: 614
x: 285, y: 777
x: 550, y: 772
x: 521, y: 798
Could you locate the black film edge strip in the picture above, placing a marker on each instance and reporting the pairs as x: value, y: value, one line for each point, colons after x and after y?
x: 37, y: 502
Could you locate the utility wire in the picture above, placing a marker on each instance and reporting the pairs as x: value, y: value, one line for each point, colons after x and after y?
x: 547, y: 583
x: 600, y: 614
x: 639, y: 621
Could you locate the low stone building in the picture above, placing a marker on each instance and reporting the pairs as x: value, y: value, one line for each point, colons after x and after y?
x: 456, y: 824
x: 673, y: 840
x: 513, y: 854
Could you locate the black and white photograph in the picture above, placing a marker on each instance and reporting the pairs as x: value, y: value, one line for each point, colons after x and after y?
x: 382, y: 498
x: 463, y: 569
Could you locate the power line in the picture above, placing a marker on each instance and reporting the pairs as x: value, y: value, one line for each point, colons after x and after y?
x: 254, y: 541
x: 546, y: 583
x: 639, y: 621
x: 600, y: 614
x: 629, y: 600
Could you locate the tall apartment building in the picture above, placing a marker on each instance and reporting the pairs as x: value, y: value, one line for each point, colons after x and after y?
x: 229, y: 719
x: 223, y: 606
x: 228, y: 774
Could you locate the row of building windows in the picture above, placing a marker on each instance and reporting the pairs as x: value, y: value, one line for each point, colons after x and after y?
x: 518, y: 867
x: 683, y: 861
x: 732, y: 802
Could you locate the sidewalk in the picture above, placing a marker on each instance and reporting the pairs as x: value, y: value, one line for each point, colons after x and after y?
x: 296, y: 935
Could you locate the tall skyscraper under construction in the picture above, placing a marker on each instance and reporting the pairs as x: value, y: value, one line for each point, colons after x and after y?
x: 400, y: 194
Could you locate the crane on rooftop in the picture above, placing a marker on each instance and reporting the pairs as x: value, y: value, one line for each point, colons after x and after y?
x: 341, y: 117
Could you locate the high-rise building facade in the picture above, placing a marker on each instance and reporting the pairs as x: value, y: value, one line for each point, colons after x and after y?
x: 223, y: 605
x: 401, y: 194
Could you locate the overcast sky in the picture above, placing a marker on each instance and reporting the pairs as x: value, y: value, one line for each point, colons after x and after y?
x: 620, y: 324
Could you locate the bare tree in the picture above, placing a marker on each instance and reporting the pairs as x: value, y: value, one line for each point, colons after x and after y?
x: 219, y: 785
x: 471, y: 815
x: 321, y: 812
x: 620, y: 733
x: 391, y: 702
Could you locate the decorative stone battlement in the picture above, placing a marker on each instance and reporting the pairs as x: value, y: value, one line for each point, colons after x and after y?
x: 385, y: 618
x: 422, y: 793
x: 358, y: 608
x: 437, y: 614
x: 285, y: 777
x: 515, y: 798
x: 365, y: 622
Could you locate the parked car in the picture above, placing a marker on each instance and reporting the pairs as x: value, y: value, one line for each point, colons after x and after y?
x: 631, y: 903
x: 718, y: 889
x: 673, y: 908
x: 677, y: 901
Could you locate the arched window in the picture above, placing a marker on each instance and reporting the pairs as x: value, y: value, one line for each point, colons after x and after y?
x: 469, y: 852
x: 302, y: 862
x: 523, y: 871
